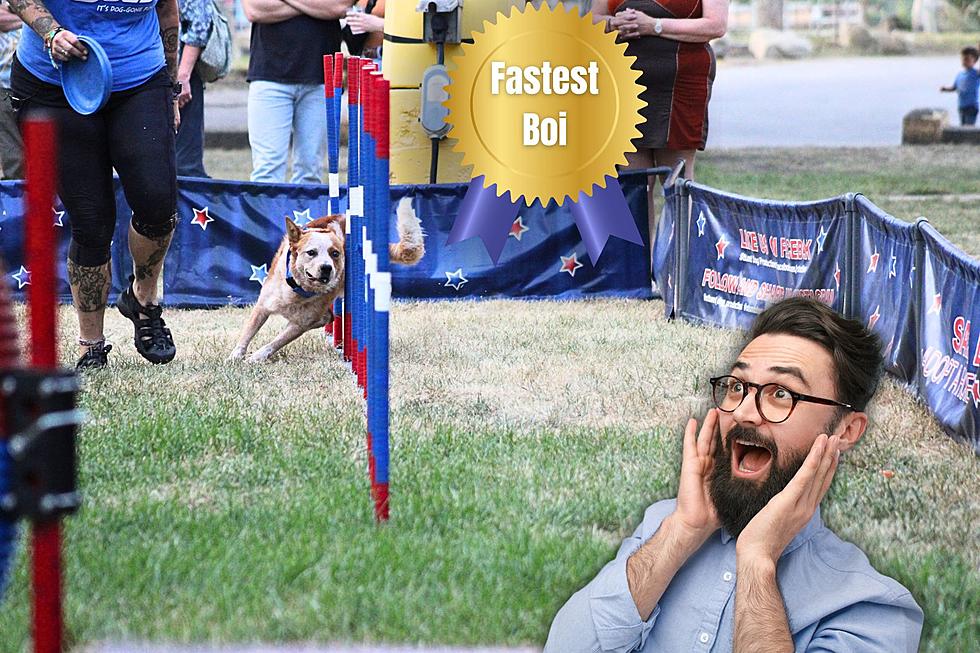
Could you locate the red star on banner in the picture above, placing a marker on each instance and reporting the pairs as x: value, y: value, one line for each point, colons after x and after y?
x: 517, y: 229
x: 976, y: 392
x: 837, y: 276
x: 202, y: 218
x: 720, y: 247
x: 888, y: 349
x: 570, y: 264
x: 937, y: 304
x: 874, y: 262
x: 874, y: 318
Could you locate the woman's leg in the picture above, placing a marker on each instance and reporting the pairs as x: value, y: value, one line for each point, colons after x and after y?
x: 85, y: 188
x: 270, y: 124
x: 190, y: 138
x: 669, y: 158
x: 141, y: 143
x: 309, y: 135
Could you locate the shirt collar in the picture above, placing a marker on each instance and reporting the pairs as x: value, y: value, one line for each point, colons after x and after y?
x: 811, y: 528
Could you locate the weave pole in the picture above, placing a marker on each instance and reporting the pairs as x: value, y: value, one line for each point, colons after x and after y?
x: 355, y: 197
x: 380, y: 293
x: 366, y: 154
x: 334, y: 179
x: 366, y: 168
x: 367, y: 282
x: 39, y: 147
x: 333, y: 83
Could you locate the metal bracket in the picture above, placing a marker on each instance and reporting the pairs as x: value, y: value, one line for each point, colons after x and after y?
x: 38, y: 410
x: 441, y: 22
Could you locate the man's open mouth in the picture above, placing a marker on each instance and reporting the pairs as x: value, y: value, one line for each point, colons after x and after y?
x: 750, y: 460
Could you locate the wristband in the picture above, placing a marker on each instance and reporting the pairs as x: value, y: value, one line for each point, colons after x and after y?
x: 49, y: 43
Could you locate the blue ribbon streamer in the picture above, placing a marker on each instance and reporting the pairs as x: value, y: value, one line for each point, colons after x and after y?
x: 598, y: 216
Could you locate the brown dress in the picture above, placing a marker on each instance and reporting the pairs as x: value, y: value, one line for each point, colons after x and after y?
x: 676, y: 78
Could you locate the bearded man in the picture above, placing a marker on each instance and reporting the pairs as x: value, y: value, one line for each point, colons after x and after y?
x: 740, y: 560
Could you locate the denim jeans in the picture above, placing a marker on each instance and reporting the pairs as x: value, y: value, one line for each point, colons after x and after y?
x: 278, y: 113
x: 968, y: 116
x: 190, y: 137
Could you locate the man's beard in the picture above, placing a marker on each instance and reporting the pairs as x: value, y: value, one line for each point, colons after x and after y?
x: 738, y: 500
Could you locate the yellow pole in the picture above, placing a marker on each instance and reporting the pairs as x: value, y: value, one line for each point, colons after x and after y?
x: 405, y: 59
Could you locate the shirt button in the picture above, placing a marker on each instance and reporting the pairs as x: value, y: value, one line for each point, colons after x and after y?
x: 704, y: 638
x: 727, y: 576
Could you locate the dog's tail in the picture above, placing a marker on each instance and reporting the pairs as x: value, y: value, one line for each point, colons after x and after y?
x: 411, y: 244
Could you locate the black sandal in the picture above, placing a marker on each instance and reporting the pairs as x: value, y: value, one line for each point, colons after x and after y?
x: 96, y: 357
x: 151, y: 336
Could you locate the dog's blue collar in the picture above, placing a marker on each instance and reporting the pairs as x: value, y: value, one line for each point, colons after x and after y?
x: 299, y: 290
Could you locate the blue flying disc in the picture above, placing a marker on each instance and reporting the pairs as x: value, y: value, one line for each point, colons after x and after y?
x: 87, y: 82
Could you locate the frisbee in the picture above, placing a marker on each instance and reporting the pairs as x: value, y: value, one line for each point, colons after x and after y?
x: 87, y: 82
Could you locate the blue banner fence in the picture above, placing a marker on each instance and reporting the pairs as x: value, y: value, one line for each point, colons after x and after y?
x: 721, y: 258
x: 228, y: 231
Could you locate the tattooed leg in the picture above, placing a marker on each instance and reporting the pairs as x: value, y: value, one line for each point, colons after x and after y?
x: 90, y: 291
x: 148, y: 255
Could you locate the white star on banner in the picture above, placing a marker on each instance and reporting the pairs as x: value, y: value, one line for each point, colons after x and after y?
x: 701, y: 222
x: 821, y: 237
x: 302, y: 218
x: 455, y: 279
x: 23, y: 277
x: 59, y: 217
x: 259, y: 273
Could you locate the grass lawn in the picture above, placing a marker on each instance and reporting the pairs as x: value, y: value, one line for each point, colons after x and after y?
x: 228, y: 503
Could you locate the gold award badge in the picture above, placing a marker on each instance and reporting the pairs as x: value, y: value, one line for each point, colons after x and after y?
x: 544, y: 105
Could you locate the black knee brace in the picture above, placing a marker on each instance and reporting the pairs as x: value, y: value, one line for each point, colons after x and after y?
x: 89, y: 255
x: 154, y: 226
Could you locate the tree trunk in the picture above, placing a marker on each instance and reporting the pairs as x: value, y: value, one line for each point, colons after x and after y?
x: 924, y: 16
x: 767, y: 13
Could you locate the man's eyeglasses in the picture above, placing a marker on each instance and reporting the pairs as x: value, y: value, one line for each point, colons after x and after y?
x: 774, y: 402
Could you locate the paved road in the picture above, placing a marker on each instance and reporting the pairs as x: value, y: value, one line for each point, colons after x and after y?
x: 847, y: 101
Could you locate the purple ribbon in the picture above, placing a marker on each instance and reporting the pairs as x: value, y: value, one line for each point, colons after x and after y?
x: 603, y: 214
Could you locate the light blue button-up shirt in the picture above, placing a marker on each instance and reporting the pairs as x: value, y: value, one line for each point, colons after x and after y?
x: 835, y: 601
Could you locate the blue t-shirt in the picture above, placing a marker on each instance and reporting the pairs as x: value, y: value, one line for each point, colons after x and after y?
x: 128, y: 31
x: 967, y: 85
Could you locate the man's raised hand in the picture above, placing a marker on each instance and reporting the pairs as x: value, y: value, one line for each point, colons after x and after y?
x: 771, y: 530
x: 695, y: 513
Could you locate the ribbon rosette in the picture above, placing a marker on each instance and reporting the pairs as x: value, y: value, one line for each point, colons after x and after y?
x: 544, y: 105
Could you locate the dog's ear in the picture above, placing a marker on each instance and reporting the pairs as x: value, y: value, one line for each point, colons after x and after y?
x: 342, y: 223
x: 293, y: 231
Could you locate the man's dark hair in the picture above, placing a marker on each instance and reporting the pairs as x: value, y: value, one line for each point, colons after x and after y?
x: 970, y: 51
x: 855, y: 350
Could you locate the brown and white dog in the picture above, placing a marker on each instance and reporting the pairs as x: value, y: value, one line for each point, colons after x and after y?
x: 307, y: 275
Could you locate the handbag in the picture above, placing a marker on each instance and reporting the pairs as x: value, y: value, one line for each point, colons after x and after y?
x: 214, y: 61
x: 355, y: 42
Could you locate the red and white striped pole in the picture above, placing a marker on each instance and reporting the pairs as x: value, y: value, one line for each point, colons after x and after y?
x: 41, y: 157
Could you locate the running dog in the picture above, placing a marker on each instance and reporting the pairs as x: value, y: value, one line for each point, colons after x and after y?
x: 307, y: 275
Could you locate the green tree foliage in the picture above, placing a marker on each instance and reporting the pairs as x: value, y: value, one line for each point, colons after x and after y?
x: 970, y: 8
